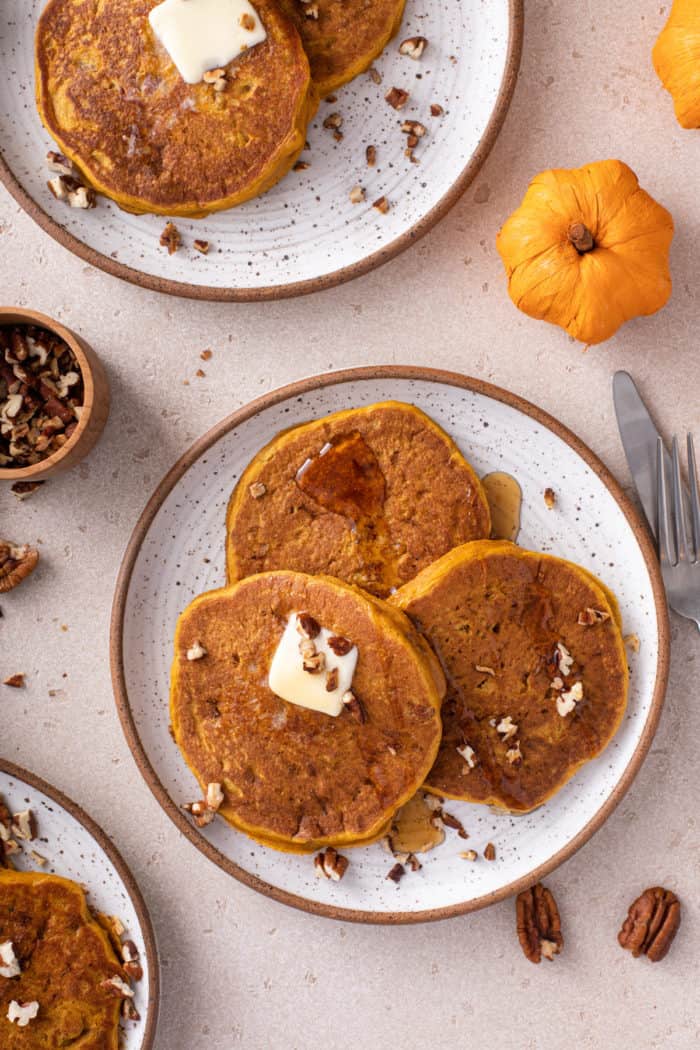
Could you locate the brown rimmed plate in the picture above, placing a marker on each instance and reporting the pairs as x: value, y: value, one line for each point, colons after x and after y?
x: 177, y: 551
x: 305, y: 234
x: 77, y: 848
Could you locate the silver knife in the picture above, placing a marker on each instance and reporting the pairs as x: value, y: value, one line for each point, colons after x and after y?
x: 639, y: 440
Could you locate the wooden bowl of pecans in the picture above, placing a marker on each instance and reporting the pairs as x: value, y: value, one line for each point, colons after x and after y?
x: 54, y: 396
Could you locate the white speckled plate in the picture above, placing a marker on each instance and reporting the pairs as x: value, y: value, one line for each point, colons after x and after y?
x: 76, y: 848
x: 304, y: 234
x: 177, y: 551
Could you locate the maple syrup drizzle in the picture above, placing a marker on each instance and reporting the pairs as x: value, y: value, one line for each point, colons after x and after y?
x: 505, y: 499
x: 345, y: 478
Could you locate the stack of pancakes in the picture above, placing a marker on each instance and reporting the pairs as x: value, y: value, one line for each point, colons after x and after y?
x: 484, y: 672
x: 109, y: 94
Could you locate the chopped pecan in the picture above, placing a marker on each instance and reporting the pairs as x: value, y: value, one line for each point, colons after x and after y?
x: 436, y: 109
x: 550, y: 498
x: 413, y: 47
x: 170, y: 238
x: 490, y: 851
x: 396, y: 873
x: 339, y: 645
x: 354, y: 706
x: 118, y: 987
x: 382, y: 205
x: 201, y: 246
x: 16, y: 563
x: 16, y: 681
x: 129, y: 1011
x: 538, y: 923
x: 330, y: 864
x: 414, y: 129
x: 371, y: 156
x: 397, y: 97
x: 333, y: 121
x: 332, y: 680
x: 651, y: 924
x: 453, y: 822
x: 587, y: 617
x: 23, y: 489
x: 308, y: 626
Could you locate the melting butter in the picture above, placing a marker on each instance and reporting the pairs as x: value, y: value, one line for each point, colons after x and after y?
x: 331, y: 672
x: 201, y: 35
x: 505, y: 500
x: 415, y: 828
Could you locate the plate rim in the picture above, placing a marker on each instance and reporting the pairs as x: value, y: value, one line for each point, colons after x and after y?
x: 125, y: 874
x: 290, y: 391
x: 213, y: 293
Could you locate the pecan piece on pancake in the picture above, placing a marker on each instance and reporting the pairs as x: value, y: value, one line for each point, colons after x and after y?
x: 354, y: 706
x: 16, y: 563
x: 538, y: 923
x: 307, y: 626
x: 652, y: 923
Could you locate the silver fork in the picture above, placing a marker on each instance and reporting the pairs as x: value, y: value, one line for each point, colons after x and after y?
x: 680, y: 560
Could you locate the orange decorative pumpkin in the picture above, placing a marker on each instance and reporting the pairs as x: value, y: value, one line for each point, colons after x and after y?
x: 676, y: 57
x: 588, y: 250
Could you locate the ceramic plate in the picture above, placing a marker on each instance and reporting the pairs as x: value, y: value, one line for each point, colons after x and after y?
x: 177, y: 551
x: 304, y: 234
x: 76, y: 848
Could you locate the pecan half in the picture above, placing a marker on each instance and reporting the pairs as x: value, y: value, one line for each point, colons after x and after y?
x: 538, y: 923
x: 652, y: 923
x: 16, y: 563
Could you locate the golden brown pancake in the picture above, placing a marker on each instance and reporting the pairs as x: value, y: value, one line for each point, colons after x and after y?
x: 346, y: 37
x: 64, y: 954
x: 369, y: 495
x: 505, y: 624
x: 112, y: 99
x: 293, y: 777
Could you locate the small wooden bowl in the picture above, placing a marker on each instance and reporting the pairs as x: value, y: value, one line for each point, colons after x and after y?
x: 95, y: 404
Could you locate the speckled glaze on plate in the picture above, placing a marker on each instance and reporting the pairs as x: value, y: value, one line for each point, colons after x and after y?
x: 77, y: 848
x: 304, y: 234
x: 177, y: 551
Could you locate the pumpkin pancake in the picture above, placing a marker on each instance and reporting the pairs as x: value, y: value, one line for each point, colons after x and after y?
x: 109, y: 94
x: 346, y: 37
x: 63, y: 955
x: 293, y: 777
x: 369, y: 495
x: 535, y: 663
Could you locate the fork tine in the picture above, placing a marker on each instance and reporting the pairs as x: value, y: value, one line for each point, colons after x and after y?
x: 678, y: 509
x: 694, y: 497
x: 661, y: 505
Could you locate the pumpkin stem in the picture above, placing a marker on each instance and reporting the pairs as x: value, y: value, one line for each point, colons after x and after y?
x: 581, y: 237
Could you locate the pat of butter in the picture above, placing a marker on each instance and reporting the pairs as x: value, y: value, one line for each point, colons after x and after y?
x: 202, y: 35
x: 289, y: 680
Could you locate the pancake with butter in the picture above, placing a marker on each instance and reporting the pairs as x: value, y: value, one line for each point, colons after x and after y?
x: 343, y: 37
x: 369, y: 495
x: 536, y: 670
x: 293, y: 777
x: 63, y: 955
x: 112, y: 98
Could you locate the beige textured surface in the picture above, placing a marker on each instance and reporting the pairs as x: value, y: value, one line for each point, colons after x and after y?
x: 239, y: 970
